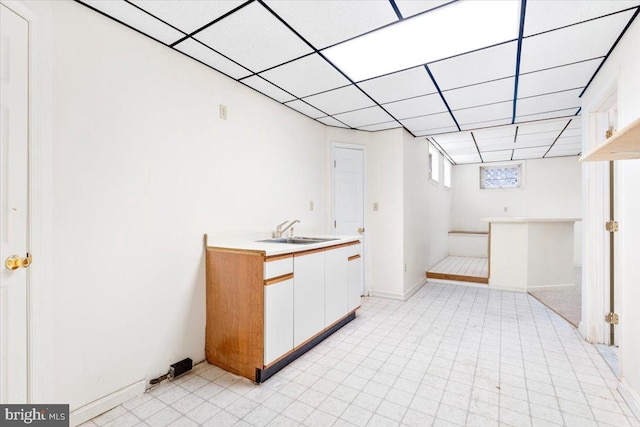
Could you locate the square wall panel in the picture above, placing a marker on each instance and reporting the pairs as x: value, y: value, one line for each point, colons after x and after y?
x: 476, y: 67
x: 305, y: 109
x: 551, y: 102
x: 306, y: 76
x: 401, y: 85
x: 557, y: 79
x: 254, y: 38
x: 213, y: 59
x: 496, y: 156
x: 366, y: 116
x: 544, y: 15
x: 188, y: 15
x: 480, y: 94
x: 324, y: 23
x: 270, y: 90
x: 589, y: 40
x: 340, y: 100
x: 414, y: 107
x: 138, y: 19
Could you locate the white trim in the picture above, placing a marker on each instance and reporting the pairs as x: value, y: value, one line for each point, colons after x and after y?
x: 413, y: 289
x: 363, y: 148
x: 40, y: 330
x: 630, y: 396
x: 458, y: 283
x: 582, y: 329
x: 386, y: 294
x: 97, y: 407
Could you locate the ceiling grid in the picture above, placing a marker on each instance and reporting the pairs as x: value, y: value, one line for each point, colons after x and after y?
x: 468, y: 103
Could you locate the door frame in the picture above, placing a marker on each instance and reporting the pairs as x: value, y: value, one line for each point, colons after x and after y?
x: 362, y: 148
x: 596, y: 204
x: 39, y: 292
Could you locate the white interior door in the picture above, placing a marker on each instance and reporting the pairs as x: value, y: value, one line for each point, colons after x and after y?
x: 14, y: 137
x: 348, y: 192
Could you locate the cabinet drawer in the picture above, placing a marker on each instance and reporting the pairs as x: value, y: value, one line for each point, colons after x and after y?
x: 278, y: 266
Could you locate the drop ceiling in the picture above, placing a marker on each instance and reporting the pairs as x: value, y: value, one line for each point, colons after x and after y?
x: 516, y: 99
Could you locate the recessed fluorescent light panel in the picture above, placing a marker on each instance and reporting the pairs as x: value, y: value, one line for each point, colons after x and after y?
x: 456, y: 28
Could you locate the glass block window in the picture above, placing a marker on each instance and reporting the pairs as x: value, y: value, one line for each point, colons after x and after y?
x: 500, y: 176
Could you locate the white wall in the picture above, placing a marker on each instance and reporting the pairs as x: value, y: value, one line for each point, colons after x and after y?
x: 142, y: 167
x: 622, y: 70
x: 426, y: 213
x: 552, y: 189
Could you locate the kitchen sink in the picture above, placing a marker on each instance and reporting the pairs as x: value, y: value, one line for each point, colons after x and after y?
x: 297, y: 240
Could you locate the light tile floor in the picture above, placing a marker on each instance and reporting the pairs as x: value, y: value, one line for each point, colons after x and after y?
x: 462, y: 266
x: 449, y: 356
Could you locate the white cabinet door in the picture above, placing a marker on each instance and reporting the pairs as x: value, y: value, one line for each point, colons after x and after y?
x: 355, y: 281
x: 278, y: 320
x: 308, y: 296
x: 336, y: 292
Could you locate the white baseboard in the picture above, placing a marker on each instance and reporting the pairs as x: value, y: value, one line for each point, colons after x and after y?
x: 458, y: 283
x: 385, y: 294
x: 408, y: 293
x: 630, y: 396
x: 582, y: 329
x: 543, y: 287
x: 97, y: 407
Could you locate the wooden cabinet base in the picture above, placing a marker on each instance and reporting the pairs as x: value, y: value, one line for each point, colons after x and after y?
x: 266, y: 372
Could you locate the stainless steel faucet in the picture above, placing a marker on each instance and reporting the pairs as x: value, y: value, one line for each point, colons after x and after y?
x: 280, y: 230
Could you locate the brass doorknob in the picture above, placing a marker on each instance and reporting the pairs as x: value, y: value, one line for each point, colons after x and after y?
x: 361, y: 230
x: 14, y: 262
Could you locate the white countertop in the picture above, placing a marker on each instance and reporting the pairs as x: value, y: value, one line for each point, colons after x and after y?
x: 270, y: 249
x: 522, y: 220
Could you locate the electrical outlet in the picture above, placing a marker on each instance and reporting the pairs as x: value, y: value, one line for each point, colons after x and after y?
x: 223, y: 112
x: 375, y: 206
x: 311, y: 205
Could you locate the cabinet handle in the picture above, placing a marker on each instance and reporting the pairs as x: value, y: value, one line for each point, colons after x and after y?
x: 14, y: 262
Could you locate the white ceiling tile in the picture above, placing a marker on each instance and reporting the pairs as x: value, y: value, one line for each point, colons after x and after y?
x: 543, y: 126
x: 557, y: 79
x: 254, y: 38
x: 431, y: 122
x: 543, y: 138
x: 454, y: 137
x: 548, y: 115
x: 305, y: 109
x: 435, y: 131
x: 324, y: 23
x: 508, y: 132
x: 460, y: 148
x: 500, y: 111
x: 415, y: 107
x: 306, y: 76
x: 529, y: 153
x: 330, y: 121
x: 268, y: 89
x: 188, y: 15
x: 366, y: 116
x: 480, y: 94
x: 575, y: 132
x: 496, y: 156
x: 462, y: 159
x: 552, y: 102
x: 382, y: 126
x: 204, y: 54
x: 544, y: 15
x: 486, y: 124
x: 476, y: 67
x: 404, y: 84
x: 495, y: 144
x: 413, y: 7
x: 569, y: 140
x: 340, y: 100
x: 572, y: 44
x: 138, y: 19
x: 568, y: 153
x: 576, y: 123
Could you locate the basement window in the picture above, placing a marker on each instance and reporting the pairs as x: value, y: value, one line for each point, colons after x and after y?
x: 501, y: 176
x: 433, y: 163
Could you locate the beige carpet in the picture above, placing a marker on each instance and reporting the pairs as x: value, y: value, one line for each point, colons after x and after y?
x: 565, y: 301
